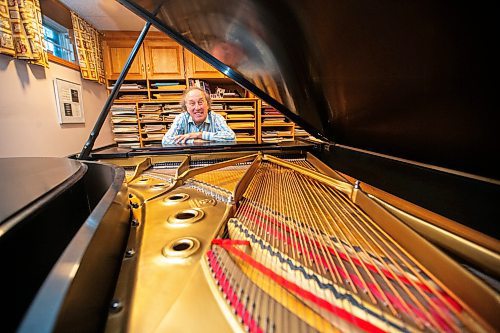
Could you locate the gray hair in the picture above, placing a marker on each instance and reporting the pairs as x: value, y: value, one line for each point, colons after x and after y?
x: 207, y: 98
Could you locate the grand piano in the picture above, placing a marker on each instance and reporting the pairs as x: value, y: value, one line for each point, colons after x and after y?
x: 386, y: 222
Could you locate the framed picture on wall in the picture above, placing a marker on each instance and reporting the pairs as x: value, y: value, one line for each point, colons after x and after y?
x: 69, y: 102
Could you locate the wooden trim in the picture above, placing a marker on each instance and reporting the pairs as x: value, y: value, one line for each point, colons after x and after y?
x: 57, y: 11
x: 63, y: 62
x: 112, y: 34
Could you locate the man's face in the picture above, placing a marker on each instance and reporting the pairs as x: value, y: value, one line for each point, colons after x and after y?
x: 197, y: 106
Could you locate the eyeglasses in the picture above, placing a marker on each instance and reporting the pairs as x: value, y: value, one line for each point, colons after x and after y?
x: 192, y: 104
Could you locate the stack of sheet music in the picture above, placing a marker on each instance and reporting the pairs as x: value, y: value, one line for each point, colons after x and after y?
x: 153, y: 128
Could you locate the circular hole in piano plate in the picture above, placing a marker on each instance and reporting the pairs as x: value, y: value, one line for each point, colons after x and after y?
x: 181, y: 247
x: 175, y: 198
x: 186, y: 216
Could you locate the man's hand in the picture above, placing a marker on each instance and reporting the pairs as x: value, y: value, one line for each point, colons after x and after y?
x: 184, y: 137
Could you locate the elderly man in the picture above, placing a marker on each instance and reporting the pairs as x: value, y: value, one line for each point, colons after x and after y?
x: 197, y: 121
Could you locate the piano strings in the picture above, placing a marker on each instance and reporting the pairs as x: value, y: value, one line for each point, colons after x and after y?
x: 333, y: 266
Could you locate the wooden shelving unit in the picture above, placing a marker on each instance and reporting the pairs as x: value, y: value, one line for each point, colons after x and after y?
x: 274, y: 126
x: 148, y: 101
x: 240, y: 115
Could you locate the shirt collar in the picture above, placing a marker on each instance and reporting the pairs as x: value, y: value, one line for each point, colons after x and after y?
x: 207, y: 119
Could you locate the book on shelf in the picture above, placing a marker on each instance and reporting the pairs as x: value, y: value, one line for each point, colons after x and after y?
x: 205, y: 86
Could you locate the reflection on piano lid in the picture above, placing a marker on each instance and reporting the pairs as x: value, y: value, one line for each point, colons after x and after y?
x: 408, y: 82
x: 367, y: 231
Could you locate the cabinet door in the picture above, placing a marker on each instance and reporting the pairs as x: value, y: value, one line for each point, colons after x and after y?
x: 199, y: 69
x: 116, y: 53
x: 164, y: 59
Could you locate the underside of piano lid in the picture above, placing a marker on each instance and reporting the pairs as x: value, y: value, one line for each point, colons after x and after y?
x: 407, y: 80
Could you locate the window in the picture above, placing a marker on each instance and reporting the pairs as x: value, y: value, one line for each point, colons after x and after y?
x: 57, y: 40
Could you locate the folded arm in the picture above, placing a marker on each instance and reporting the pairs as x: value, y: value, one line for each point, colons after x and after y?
x: 177, y: 132
x: 174, y: 131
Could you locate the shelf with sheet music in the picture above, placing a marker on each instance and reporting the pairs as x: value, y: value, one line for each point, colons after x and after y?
x: 142, y: 124
x: 274, y: 126
x: 144, y: 90
x: 130, y: 91
x: 124, y: 125
x: 154, y: 119
x: 240, y: 115
x: 166, y: 90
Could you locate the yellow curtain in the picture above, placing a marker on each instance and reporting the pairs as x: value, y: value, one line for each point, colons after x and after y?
x: 89, y: 48
x: 21, y: 31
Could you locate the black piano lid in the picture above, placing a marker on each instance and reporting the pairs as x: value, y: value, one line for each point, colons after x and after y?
x: 411, y: 80
x: 28, y: 179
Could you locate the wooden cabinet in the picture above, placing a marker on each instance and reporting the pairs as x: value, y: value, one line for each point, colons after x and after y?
x: 156, y: 59
x: 164, y: 59
x: 198, y: 69
x: 116, y: 53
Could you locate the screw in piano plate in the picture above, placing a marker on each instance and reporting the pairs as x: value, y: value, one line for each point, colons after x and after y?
x: 129, y: 253
x: 134, y: 205
x: 115, y: 306
x: 134, y: 223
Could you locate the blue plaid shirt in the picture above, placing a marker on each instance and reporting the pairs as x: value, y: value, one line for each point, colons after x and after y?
x: 214, y: 128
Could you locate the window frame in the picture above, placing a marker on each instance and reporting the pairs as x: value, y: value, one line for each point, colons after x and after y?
x: 49, y: 23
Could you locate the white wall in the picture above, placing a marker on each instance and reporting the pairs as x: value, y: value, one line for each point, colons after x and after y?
x: 29, y: 125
